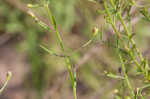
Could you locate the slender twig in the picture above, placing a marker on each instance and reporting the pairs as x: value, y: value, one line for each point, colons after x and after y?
x: 67, y: 60
x: 125, y: 75
x: 9, y: 75
x: 130, y: 51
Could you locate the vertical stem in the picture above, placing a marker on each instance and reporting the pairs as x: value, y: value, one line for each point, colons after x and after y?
x: 67, y: 60
x: 111, y: 21
x: 130, y: 39
x: 126, y: 30
x: 120, y: 57
x: 125, y: 75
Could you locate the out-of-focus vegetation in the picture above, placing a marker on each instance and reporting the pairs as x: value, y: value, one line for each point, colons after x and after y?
x: 106, y: 65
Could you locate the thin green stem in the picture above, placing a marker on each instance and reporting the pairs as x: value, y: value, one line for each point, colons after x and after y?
x: 134, y: 59
x: 51, y: 51
x: 51, y: 17
x: 126, y: 76
x: 111, y: 20
x: 112, y: 3
x: 9, y: 75
x: 67, y: 60
x: 127, y: 32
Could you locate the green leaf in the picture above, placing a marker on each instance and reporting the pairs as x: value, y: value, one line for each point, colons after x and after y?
x: 50, y: 51
x: 54, y: 22
x: 114, y: 76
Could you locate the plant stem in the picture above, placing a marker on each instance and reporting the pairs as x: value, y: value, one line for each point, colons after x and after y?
x: 127, y: 32
x: 111, y: 20
x: 9, y: 75
x: 67, y: 60
x: 125, y: 75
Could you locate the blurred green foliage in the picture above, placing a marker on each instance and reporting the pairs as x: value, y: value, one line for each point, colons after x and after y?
x: 11, y: 19
x: 76, y: 18
x: 64, y: 12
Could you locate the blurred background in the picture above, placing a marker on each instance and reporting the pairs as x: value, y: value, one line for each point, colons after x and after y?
x: 39, y: 75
